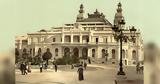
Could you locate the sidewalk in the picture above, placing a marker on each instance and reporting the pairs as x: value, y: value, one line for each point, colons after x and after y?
x: 95, y: 74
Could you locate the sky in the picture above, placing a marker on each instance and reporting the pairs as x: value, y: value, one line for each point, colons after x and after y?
x: 19, y: 17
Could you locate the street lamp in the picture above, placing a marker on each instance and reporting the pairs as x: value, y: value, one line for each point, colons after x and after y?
x: 119, y: 36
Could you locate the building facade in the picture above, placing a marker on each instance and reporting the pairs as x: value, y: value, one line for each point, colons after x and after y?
x: 87, y: 37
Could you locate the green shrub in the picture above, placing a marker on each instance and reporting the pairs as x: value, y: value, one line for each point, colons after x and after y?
x: 60, y: 61
x: 67, y: 60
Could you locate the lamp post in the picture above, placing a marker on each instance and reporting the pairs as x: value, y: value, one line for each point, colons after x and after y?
x: 119, y: 36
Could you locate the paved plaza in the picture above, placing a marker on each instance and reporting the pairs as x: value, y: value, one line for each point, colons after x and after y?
x: 95, y: 74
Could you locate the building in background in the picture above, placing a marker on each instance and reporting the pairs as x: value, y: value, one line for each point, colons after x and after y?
x: 87, y: 37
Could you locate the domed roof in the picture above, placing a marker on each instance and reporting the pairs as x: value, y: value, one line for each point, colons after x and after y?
x: 43, y: 30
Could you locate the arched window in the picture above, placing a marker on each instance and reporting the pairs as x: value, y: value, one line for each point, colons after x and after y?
x: 134, y: 55
x: 93, y: 52
x: 66, y: 51
x: 56, y: 52
x: 76, y: 52
x: 113, y: 53
x: 85, y: 53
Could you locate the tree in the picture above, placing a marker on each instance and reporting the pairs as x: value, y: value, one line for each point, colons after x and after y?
x: 47, y: 55
x: 67, y: 59
x: 75, y: 59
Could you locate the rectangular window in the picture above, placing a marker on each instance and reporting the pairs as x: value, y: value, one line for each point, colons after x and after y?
x: 106, y: 40
x: 67, y: 38
x: 96, y: 40
x: 25, y: 42
x: 54, y: 39
x: 100, y: 29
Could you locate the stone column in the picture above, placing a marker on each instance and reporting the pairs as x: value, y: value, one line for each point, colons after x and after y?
x: 89, y: 52
x: 62, y: 38
x: 111, y: 38
x: 80, y: 38
x: 71, y: 38
x: 20, y: 44
x: 29, y: 41
x: 71, y: 51
x: 90, y: 39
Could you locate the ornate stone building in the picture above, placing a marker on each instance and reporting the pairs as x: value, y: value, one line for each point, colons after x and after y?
x: 87, y: 37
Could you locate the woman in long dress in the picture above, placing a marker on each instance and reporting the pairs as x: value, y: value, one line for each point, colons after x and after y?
x: 80, y: 73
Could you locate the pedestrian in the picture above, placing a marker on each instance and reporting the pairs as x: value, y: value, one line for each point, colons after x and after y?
x: 22, y: 68
x: 140, y: 68
x: 85, y: 65
x: 29, y: 68
x: 55, y: 67
x: 41, y: 67
x: 72, y: 66
x: 106, y: 55
x: 25, y: 68
x: 80, y: 73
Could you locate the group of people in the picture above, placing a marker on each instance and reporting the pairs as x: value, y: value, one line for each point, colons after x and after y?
x: 25, y: 68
